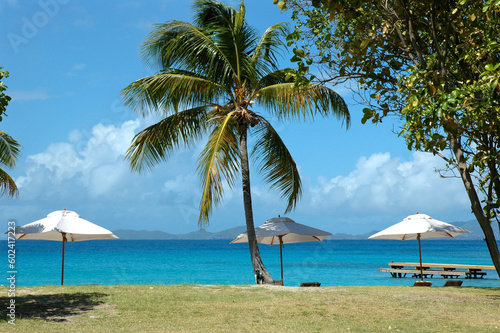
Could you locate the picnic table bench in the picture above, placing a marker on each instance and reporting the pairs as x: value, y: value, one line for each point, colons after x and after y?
x: 400, y: 269
x: 401, y: 272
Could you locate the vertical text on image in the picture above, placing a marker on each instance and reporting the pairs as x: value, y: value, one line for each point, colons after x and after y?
x: 11, y: 273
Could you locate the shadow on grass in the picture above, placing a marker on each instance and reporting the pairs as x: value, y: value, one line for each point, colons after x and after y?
x: 54, y: 307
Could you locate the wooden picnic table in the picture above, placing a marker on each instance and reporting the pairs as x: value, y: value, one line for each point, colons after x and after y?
x: 400, y: 269
x: 401, y: 272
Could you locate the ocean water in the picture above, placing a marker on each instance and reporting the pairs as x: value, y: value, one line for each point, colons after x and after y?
x: 332, y: 263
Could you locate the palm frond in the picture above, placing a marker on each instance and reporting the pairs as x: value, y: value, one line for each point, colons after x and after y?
x: 7, y: 185
x: 274, y: 78
x: 287, y: 102
x: 229, y: 30
x: 219, y: 160
x: 210, y: 14
x: 155, y: 143
x: 10, y: 150
x: 177, y: 44
x: 276, y: 164
x: 270, y: 45
x: 170, y: 91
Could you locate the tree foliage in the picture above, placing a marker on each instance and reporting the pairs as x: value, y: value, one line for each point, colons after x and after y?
x: 9, y: 148
x: 4, y: 99
x: 435, y: 64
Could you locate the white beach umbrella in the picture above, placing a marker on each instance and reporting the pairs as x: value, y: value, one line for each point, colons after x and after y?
x: 419, y: 226
x: 283, y: 230
x: 65, y: 226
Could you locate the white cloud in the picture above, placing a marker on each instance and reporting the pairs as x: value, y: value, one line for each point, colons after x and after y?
x: 11, y: 3
x: 182, y: 187
x: 89, y: 175
x: 79, y: 67
x: 94, y: 162
x: 28, y: 95
x: 75, y: 69
x: 381, y: 187
x: 146, y: 25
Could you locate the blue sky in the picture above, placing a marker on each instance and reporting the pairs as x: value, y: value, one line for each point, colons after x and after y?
x: 68, y: 61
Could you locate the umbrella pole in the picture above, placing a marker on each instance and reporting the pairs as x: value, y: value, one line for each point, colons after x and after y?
x: 281, y: 258
x: 62, y: 271
x: 420, y: 255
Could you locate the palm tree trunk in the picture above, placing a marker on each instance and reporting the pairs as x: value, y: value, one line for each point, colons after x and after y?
x: 257, y: 264
x: 477, y: 209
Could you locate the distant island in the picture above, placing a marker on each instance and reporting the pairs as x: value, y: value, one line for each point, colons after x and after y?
x: 200, y: 234
x: 232, y: 233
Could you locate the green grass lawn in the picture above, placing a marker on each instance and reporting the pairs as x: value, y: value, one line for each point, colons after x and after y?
x: 200, y: 308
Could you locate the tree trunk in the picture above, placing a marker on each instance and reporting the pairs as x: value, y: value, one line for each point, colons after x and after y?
x: 257, y: 264
x: 476, y: 207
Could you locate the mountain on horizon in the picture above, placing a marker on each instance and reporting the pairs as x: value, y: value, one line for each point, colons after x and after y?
x: 201, y: 234
x: 475, y: 230
x: 232, y: 233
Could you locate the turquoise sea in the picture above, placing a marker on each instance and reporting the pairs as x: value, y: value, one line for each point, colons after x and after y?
x: 332, y: 262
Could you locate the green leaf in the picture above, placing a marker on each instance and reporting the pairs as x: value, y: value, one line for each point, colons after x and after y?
x: 299, y: 52
x: 491, y: 67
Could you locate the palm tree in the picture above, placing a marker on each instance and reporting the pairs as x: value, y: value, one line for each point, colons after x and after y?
x: 10, y: 149
x: 210, y: 74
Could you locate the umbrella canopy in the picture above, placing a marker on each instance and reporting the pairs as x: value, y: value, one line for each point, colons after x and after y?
x: 63, y: 225
x: 283, y: 230
x: 419, y: 226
